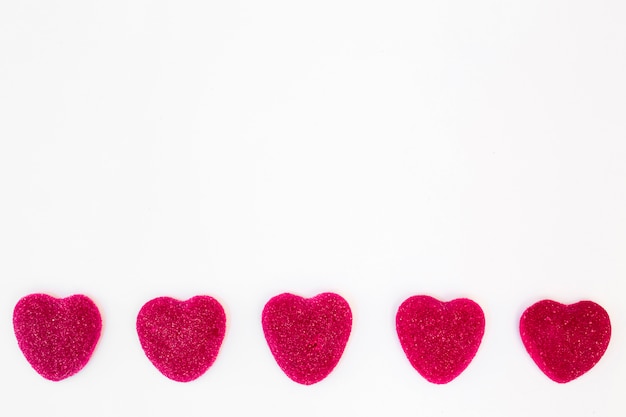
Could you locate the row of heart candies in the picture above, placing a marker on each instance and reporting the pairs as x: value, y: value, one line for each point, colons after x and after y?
x: 307, y: 336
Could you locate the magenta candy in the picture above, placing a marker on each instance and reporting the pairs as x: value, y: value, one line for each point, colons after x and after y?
x: 181, y: 338
x: 440, y: 339
x: 57, y: 335
x: 565, y: 341
x: 307, y: 336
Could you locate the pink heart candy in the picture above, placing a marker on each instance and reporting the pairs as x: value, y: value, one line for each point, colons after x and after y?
x: 440, y: 339
x: 57, y: 335
x: 307, y: 336
x: 565, y: 341
x: 181, y: 338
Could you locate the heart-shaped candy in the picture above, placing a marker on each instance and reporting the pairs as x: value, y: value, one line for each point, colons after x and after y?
x: 57, y: 335
x: 307, y: 336
x: 565, y: 341
x: 440, y: 339
x: 181, y: 338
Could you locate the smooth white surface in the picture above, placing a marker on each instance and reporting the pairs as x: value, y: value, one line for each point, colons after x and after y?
x: 378, y: 149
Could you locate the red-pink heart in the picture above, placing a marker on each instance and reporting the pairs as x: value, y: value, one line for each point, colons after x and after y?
x: 181, y: 338
x: 565, y: 341
x: 440, y: 339
x: 307, y: 336
x: 57, y: 336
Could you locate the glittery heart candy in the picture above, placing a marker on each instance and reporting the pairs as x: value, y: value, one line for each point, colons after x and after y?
x: 307, y: 336
x: 565, y: 341
x: 181, y: 338
x: 440, y: 339
x: 57, y: 336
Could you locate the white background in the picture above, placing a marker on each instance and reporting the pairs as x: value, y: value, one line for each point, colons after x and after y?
x: 378, y: 149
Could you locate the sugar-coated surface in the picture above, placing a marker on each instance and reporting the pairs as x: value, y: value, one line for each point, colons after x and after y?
x: 57, y: 336
x: 440, y: 339
x: 181, y: 338
x: 307, y: 336
x: 565, y: 341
